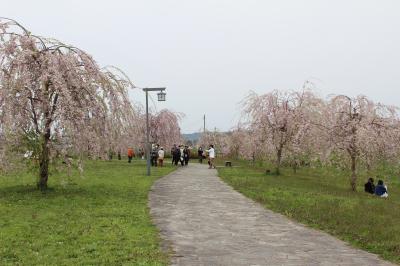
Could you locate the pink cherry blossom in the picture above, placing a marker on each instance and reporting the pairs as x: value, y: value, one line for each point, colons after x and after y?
x: 54, y: 98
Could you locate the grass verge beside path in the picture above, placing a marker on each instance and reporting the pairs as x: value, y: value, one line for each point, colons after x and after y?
x: 322, y: 199
x: 100, y: 218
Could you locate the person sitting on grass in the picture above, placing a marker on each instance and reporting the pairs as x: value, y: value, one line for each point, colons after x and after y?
x: 381, y: 190
x: 369, y: 187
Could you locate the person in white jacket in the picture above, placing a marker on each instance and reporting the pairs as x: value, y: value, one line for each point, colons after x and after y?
x: 211, y: 156
x: 161, y: 155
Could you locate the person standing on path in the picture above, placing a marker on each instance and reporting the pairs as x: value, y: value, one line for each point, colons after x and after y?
x: 200, y: 154
x: 182, y: 155
x: 173, y: 153
x: 186, y: 155
x: 176, y: 155
x: 211, y: 156
x: 161, y: 155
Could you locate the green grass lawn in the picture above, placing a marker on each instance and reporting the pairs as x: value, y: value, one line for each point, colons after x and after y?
x: 322, y: 199
x: 100, y: 218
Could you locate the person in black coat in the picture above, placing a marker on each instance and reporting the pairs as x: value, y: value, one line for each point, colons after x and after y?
x: 369, y: 187
x: 200, y: 154
x: 176, y: 156
x: 186, y: 155
x: 173, y: 153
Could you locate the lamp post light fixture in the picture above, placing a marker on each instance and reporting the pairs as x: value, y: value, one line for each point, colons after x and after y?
x: 161, y: 98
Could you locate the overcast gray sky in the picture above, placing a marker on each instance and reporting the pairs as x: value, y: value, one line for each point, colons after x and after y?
x: 211, y: 53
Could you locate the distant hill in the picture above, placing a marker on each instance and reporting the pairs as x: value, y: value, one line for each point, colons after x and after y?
x: 193, y: 137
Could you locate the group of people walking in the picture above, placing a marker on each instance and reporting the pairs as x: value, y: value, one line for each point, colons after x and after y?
x: 379, y: 190
x: 180, y: 154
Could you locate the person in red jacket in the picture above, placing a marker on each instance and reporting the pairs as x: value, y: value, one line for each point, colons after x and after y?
x: 130, y: 155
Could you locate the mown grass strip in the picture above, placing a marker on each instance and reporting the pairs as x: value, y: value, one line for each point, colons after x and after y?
x: 99, y: 218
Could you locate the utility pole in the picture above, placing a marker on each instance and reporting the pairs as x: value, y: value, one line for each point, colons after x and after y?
x: 204, y: 124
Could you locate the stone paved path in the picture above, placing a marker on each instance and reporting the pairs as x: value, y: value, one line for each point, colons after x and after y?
x: 205, y: 222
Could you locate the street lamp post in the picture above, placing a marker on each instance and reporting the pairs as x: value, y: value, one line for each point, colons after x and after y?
x: 161, y: 98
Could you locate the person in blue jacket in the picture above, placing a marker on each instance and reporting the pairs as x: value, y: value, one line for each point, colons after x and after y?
x: 381, y: 190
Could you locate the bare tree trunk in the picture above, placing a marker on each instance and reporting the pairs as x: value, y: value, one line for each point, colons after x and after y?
x: 353, y: 179
x: 353, y: 155
x: 368, y: 166
x: 44, y: 160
